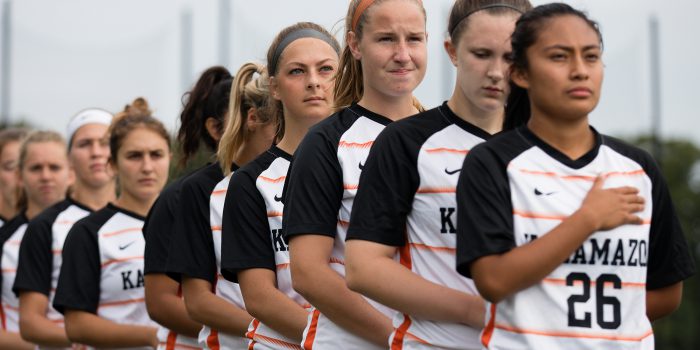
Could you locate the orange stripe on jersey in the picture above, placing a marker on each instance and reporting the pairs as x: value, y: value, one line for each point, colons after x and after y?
x: 123, y: 302
x: 433, y: 248
x: 344, y: 223
x: 313, y: 328
x: 179, y: 346
x: 400, y: 333
x: 411, y: 336
x: 274, y: 214
x: 531, y: 215
x: 282, y: 266
x: 213, y: 339
x: 10, y: 307
x: 216, y: 228
x: 218, y: 192
x: 488, y: 330
x: 267, y: 179
x: 436, y: 190
x: 126, y: 230
x: 447, y: 150
x: 593, y: 283
x: 350, y: 187
x: 333, y: 260
x: 251, y: 333
x: 57, y: 252
x: 278, y: 342
x: 2, y: 316
x: 64, y: 222
x: 8, y: 270
x: 575, y: 334
x: 113, y: 261
x: 583, y: 177
x: 345, y: 144
x: 170, y: 343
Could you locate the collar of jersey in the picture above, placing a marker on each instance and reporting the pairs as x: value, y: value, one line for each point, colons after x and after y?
x: 125, y: 211
x: 579, y: 163
x: 364, y: 112
x: 278, y: 152
x: 453, y: 118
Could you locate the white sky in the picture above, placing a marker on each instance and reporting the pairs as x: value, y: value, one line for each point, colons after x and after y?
x: 71, y: 54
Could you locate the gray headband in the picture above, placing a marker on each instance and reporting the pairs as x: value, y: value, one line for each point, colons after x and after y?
x: 293, y: 36
x: 486, y: 8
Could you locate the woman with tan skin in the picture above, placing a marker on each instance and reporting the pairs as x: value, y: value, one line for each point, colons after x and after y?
x: 303, y: 61
x: 100, y: 288
x: 383, y: 62
x: 44, y: 177
x: 10, y: 140
x: 40, y: 252
x: 570, y: 235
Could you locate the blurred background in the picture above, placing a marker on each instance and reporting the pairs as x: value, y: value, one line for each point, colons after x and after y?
x: 58, y: 57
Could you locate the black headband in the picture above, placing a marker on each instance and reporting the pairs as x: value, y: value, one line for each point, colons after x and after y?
x: 486, y: 8
x: 298, y: 34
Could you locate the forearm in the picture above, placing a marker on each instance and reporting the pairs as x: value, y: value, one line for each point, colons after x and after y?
x: 273, y: 308
x: 663, y: 301
x: 207, y: 308
x: 39, y: 330
x: 386, y: 281
x: 13, y: 341
x: 167, y: 308
x: 89, y: 329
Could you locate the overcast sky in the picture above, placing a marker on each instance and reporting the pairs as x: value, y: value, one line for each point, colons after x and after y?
x: 71, y: 54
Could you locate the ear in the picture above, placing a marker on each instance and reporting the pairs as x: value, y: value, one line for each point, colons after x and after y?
x: 451, y: 50
x: 251, y: 120
x: 519, y: 77
x: 354, y: 45
x: 274, y: 88
x: 212, y: 126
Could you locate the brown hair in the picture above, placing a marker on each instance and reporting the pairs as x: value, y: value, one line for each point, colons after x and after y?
x: 462, y: 9
x: 247, y: 92
x: 38, y: 136
x: 349, y: 86
x: 11, y: 135
x: 134, y: 116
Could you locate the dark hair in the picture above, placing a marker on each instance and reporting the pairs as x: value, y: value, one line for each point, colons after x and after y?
x: 526, y: 33
x: 462, y: 9
x: 134, y: 116
x: 208, y: 99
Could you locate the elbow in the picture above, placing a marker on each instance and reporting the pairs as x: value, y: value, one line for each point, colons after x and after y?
x: 303, y: 279
x: 154, y: 309
x: 26, y: 330
x: 353, y: 277
x: 75, y: 332
x: 491, y: 289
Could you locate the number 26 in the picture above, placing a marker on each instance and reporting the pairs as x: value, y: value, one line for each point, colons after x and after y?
x: 601, y: 300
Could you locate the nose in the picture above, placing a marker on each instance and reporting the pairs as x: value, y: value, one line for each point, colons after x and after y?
x: 497, y: 70
x: 579, y: 70
x: 314, y: 81
x: 147, y: 165
x: 402, y: 52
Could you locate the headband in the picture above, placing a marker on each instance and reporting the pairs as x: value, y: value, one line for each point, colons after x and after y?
x: 361, y: 8
x: 486, y: 8
x: 88, y: 116
x: 295, y: 35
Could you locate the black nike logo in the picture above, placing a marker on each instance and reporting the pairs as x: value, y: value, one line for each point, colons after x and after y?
x: 122, y: 247
x: 540, y: 193
x: 278, y: 199
x: 452, y: 172
x: 362, y: 166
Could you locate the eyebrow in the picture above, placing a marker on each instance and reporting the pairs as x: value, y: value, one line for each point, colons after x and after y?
x: 305, y: 65
x: 570, y: 48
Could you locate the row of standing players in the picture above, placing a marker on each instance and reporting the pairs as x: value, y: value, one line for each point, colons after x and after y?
x: 230, y: 239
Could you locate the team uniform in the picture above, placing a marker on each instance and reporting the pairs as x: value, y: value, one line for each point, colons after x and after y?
x: 252, y: 233
x: 102, y: 270
x: 2, y: 221
x: 320, y: 191
x: 11, y: 236
x: 407, y: 200
x: 157, y: 231
x: 40, y: 252
x: 195, y: 249
x: 516, y: 188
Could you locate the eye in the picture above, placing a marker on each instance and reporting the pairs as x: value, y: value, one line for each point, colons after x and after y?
x: 55, y: 167
x: 134, y: 155
x: 592, y: 57
x: 416, y: 38
x: 157, y: 154
x: 327, y: 68
x: 481, y: 54
x: 296, y: 71
x: 83, y: 143
x: 557, y: 56
x: 385, y: 38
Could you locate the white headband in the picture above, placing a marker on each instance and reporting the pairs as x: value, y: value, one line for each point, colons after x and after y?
x: 88, y: 116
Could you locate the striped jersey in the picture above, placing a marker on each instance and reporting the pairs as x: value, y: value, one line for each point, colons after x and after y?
x: 11, y: 235
x: 195, y: 249
x: 516, y: 188
x: 102, y: 269
x: 319, y: 194
x: 158, y: 230
x: 407, y: 200
x: 252, y: 232
x: 40, y: 252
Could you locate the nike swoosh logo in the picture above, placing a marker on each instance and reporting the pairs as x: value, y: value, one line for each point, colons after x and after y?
x: 278, y: 199
x: 540, y: 193
x: 122, y: 247
x: 362, y: 166
x: 448, y: 172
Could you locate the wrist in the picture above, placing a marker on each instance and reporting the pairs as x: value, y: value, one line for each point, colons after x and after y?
x: 587, y: 219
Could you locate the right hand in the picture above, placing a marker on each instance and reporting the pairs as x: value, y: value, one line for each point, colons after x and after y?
x: 609, y: 208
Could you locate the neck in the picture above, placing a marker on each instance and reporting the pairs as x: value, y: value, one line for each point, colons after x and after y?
x: 7, y: 209
x: 394, y: 108
x: 294, y: 131
x: 130, y: 203
x: 572, y: 137
x: 93, y: 198
x: 33, y: 209
x: 489, y: 121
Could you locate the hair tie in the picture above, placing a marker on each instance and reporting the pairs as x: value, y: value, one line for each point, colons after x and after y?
x: 293, y: 36
x: 360, y: 9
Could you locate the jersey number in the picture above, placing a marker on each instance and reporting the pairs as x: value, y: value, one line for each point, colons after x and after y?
x: 601, y: 300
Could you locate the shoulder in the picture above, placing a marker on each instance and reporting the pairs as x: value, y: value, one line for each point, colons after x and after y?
x: 203, y: 180
x: 11, y: 226
x: 501, y: 148
x: 49, y: 215
x: 632, y: 152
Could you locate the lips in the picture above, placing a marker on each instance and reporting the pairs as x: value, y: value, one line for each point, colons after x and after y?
x: 400, y: 71
x: 147, y: 182
x: 580, y: 92
x: 314, y: 98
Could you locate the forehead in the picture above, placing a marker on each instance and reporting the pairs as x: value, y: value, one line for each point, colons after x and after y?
x: 568, y: 30
x: 89, y: 131
x: 487, y: 29
x: 143, y: 139
x: 308, y: 51
x: 395, y: 14
x: 45, y: 152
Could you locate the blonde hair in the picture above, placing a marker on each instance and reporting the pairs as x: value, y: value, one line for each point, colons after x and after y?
x: 247, y: 92
x: 38, y: 136
x: 349, y: 86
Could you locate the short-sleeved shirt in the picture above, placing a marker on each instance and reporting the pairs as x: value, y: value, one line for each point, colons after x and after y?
x: 516, y: 188
x: 407, y: 199
x: 102, y: 270
x: 11, y: 235
x: 252, y: 231
x: 319, y: 194
x: 195, y: 248
x: 41, y: 249
x: 158, y: 230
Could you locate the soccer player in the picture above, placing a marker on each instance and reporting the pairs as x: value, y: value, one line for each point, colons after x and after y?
x: 10, y: 139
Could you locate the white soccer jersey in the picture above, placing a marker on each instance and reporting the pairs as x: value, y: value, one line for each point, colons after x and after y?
x: 407, y: 200
x: 516, y: 188
x: 10, y: 239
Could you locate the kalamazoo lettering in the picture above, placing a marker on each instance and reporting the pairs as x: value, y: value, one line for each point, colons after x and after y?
x: 615, y: 252
x: 131, y: 280
x: 278, y: 243
x: 448, y: 225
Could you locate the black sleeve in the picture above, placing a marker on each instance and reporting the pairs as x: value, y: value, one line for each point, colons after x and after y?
x: 484, y: 209
x: 669, y: 258
x: 35, y: 263
x: 79, y: 282
x: 314, y: 188
x: 158, y: 230
x: 192, y: 246
x: 245, y: 240
x: 388, y: 183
